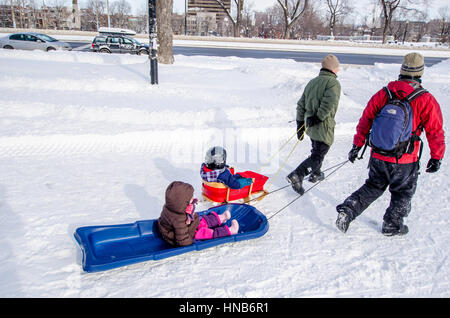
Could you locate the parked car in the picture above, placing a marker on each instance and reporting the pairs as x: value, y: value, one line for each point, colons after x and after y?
x: 33, y: 41
x: 113, y: 40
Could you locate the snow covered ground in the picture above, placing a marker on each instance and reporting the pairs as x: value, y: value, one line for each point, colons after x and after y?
x: 86, y: 140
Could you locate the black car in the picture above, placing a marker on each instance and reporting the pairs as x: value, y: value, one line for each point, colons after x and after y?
x: 118, y: 43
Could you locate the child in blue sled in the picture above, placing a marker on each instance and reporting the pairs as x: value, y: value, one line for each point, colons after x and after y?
x: 180, y: 225
x: 214, y: 169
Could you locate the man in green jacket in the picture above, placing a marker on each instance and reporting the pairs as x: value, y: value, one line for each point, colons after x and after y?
x: 315, y: 117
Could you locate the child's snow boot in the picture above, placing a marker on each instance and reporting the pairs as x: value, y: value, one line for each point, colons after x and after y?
x: 234, y: 228
x: 316, y: 176
x: 296, y: 182
x: 391, y: 229
x: 225, y: 216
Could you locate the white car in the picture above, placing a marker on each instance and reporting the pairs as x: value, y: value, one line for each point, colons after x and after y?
x: 33, y: 41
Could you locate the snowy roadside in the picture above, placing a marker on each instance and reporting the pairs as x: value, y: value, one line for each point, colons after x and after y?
x: 426, y: 49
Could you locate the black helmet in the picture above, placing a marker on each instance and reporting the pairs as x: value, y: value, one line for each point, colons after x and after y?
x: 216, y: 158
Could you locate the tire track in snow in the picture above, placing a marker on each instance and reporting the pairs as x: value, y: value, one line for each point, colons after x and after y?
x: 61, y: 145
x: 191, y: 143
x: 261, y: 142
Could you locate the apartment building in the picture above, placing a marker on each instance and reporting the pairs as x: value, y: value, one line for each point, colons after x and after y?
x: 207, y: 17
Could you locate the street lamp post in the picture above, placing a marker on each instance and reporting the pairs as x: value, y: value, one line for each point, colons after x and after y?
x: 107, y: 11
x: 406, y: 30
x: 185, y: 17
x: 153, y: 41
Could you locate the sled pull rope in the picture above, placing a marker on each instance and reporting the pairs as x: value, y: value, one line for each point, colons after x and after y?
x: 288, y: 185
x: 281, y: 148
x: 339, y: 166
x: 293, y: 148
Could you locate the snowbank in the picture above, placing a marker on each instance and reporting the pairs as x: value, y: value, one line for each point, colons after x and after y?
x: 317, y: 46
x: 86, y: 140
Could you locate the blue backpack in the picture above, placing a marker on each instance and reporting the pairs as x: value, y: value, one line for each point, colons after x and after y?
x: 392, y: 132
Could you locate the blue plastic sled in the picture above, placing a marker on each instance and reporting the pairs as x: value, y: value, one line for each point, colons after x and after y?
x: 110, y: 246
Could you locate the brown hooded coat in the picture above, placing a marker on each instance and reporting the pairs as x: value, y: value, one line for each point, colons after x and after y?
x: 172, y: 222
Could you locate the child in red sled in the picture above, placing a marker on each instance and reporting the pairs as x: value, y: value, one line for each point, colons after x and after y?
x: 179, y: 225
x: 214, y: 169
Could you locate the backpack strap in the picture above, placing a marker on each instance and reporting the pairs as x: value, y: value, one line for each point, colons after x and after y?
x: 365, y: 147
x: 416, y: 93
x: 388, y: 93
x: 415, y: 138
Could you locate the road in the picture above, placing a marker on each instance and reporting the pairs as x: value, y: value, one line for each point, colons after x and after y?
x: 299, y: 56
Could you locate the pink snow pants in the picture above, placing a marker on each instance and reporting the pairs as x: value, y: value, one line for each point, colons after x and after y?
x: 210, y: 227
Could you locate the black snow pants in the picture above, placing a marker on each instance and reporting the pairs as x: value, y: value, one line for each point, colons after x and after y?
x: 402, y: 182
x: 313, y: 163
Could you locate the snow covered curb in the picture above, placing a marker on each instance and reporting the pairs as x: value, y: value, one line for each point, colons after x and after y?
x: 325, y: 47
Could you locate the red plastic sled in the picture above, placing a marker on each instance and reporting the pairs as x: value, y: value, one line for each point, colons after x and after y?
x: 219, y: 192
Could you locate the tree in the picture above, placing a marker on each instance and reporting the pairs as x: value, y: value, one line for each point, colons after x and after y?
x: 32, y: 14
x: 164, y: 10
x: 120, y: 10
x: 389, y: 7
x: 97, y: 8
x: 372, y: 17
x: 235, y: 21
x: 445, y: 25
x: 247, y: 13
x: 292, y: 10
x: 21, y: 8
x: 13, y: 15
x: 59, y: 7
x: 408, y: 7
x: 273, y: 23
x: 311, y: 23
x: 337, y: 9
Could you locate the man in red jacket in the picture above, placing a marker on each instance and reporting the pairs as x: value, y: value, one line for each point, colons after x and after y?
x: 399, y: 174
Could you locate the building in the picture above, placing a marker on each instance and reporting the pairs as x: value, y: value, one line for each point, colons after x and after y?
x: 74, y: 19
x: 206, y: 17
x: 209, y: 6
x: 29, y: 17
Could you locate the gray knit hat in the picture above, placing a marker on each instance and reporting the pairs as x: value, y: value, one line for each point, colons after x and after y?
x: 413, y: 65
x: 330, y: 62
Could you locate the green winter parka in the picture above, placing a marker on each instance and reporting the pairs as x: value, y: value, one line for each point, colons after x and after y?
x: 320, y: 98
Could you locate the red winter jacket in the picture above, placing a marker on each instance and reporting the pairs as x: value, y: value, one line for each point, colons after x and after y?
x: 426, y: 112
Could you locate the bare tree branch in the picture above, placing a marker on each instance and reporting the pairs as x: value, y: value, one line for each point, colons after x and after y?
x: 235, y: 21
x: 292, y: 12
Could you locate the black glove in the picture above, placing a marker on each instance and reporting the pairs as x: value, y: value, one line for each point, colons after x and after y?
x: 353, y: 154
x: 312, y: 121
x: 433, y: 165
x: 300, y: 131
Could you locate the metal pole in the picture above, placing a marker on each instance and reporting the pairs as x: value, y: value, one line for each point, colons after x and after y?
x: 107, y: 11
x: 153, y: 41
x: 406, y: 30
x: 185, y: 17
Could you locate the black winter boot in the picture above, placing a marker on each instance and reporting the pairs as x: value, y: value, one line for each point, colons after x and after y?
x: 316, y: 176
x: 343, y: 221
x: 296, y: 182
x: 391, y: 229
